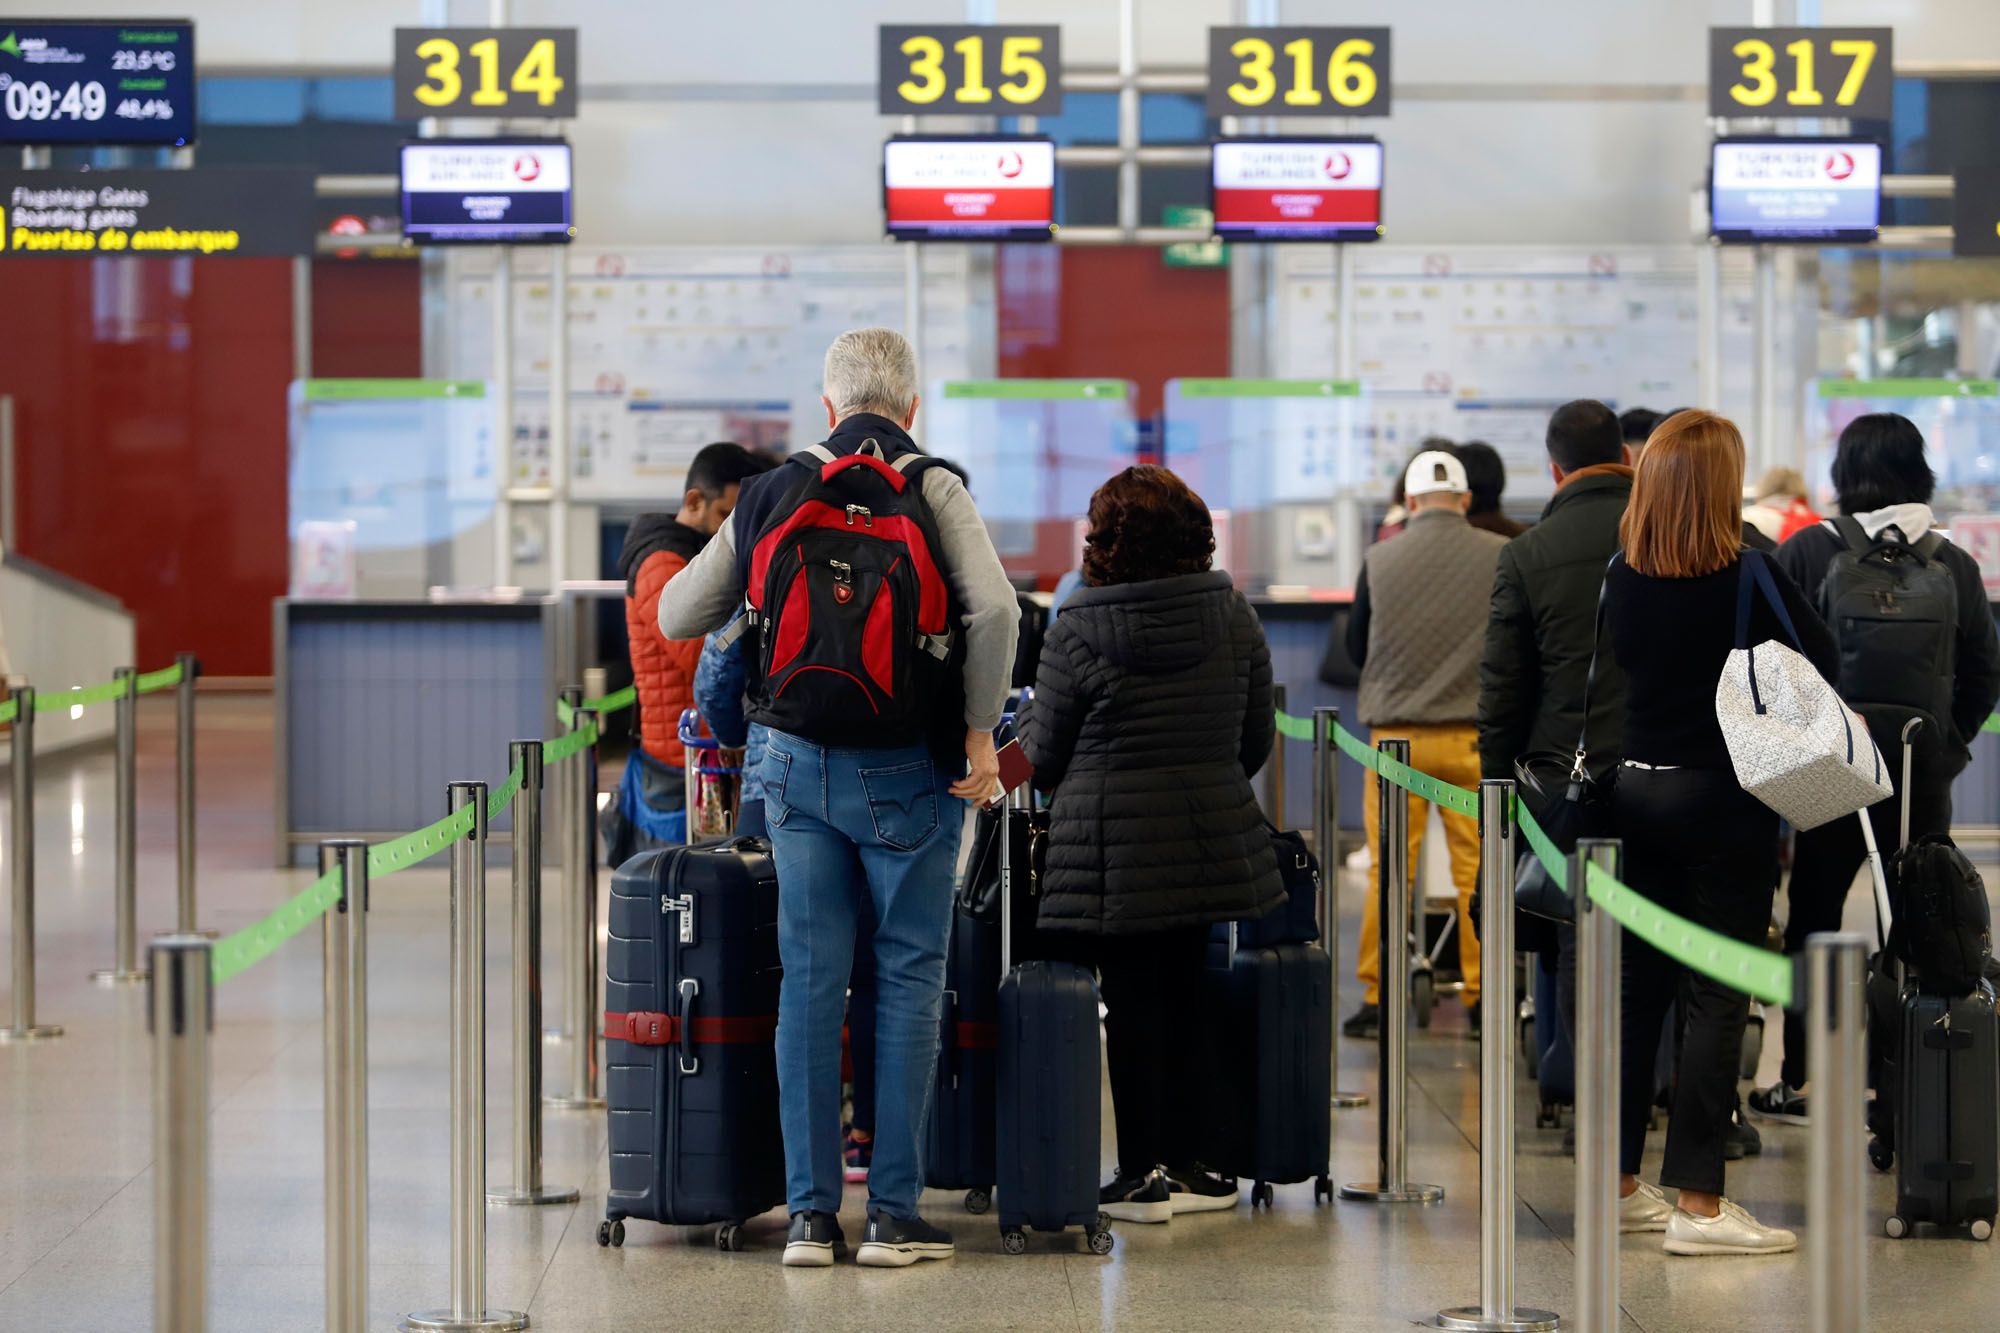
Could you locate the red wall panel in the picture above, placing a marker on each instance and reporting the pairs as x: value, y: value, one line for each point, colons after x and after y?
x: 1115, y: 311
x: 150, y: 440
x: 368, y: 319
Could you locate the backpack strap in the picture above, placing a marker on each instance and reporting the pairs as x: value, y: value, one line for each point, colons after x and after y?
x: 1848, y: 528
x: 1928, y: 544
x: 726, y: 637
x: 819, y: 453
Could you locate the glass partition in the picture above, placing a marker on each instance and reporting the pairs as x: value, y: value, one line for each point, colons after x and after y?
x: 1960, y: 420
x: 1279, y: 462
x: 395, y: 478
x: 1035, y: 451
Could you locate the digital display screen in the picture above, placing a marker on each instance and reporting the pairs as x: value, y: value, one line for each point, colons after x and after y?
x: 1297, y: 189
x: 487, y: 192
x: 126, y: 82
x: 995, y: 189
x: 1795, y: 190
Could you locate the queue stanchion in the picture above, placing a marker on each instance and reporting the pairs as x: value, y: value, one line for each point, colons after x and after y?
x: 565, y: 784
x: 1836, y: 1199
x: 180, y: 1015
x: 21, y: 863
x: 1274, y: 769
x: 1496, y: 1311
x: 526, y: 756
x: 580, y: 972
x: 1599, y: 1010
x: 184, y: 916
x: 468, y: 1312
x: 1392, y: 899
x: 125, y: 969
x: 1326, y: 840
x: 344, y: 975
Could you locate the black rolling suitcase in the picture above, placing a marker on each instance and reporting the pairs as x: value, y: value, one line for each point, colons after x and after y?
x: 691, y: 1009
x: 959, y: 1139
x: 1049, y: 1114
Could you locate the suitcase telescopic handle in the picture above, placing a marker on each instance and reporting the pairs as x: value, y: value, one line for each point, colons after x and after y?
x: 1910, y: 730
x: 689, y: 988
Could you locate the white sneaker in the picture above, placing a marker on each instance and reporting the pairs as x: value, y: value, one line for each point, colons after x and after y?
x: 1730, y: 1231
x: 1644, y: 1209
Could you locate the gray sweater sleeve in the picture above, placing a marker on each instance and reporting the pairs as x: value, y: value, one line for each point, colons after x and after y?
x: 992, y: 612
x: 702, y: 597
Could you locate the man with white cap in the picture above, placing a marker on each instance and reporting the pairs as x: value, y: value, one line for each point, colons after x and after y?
x: 1419, y: 622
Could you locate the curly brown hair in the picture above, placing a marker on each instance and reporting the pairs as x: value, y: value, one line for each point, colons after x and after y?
x: 1145, y: 523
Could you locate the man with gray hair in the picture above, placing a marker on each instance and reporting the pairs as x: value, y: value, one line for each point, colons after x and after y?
x: 885, y: 637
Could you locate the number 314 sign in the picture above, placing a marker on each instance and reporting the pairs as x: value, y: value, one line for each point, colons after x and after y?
x: 509, y: 73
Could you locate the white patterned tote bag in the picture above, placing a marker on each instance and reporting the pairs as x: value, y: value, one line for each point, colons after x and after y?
x: 1795, y: 746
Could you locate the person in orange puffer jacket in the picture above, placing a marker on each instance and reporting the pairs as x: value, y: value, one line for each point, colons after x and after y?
x: 657, y: 547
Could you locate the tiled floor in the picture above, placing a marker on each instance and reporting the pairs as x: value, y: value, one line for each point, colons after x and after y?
x: 76, y: 1172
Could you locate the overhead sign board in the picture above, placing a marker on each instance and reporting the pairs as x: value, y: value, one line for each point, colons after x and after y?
x: 1795, y: 190
x: 513, y: 73
x: 1800, y: 73
x: 964, y: 69
x: 1298, y: 71
x: 123, y: 82
x: 1975, y: 211
x: 231, y: 212
x: 990, y: 189
x: 1297, y: 189
x: 487, y: 192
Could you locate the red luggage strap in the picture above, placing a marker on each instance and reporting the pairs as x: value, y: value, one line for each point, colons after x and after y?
x: 978, y: 1036
x: 651, y: 1029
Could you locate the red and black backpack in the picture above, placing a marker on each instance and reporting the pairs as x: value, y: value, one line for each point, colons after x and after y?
x: 849, y: 603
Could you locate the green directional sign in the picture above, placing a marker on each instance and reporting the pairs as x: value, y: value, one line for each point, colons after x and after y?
x: 1210, y: 253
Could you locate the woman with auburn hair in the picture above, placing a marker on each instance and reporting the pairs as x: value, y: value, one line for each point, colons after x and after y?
x: 1695, y: 842
x: 1152, y: 709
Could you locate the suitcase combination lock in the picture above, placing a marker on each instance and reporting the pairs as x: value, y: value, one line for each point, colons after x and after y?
x: 685, y: 906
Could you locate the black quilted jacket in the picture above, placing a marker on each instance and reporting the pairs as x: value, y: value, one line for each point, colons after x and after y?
x: 1152, y: 708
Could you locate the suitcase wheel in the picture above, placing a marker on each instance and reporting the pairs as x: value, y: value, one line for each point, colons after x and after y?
x: 1548, y: 1115
x: 1531, y: 1051
x: 978, y: 1200
x: 1100, y: 1236
x: 1880, y: 1155
x: 1014, y: 1241
x: 1322, y: 1191
x: 1423, y: 995
x: 1896, y: 1227
x: 1753, y: 1047
x: 1261, y: 1194
x: 611, y: 1233
x: 729, y: 1237
x: 1982, y: 1228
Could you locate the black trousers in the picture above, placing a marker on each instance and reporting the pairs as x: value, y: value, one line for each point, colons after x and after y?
x: 1824, y: 862
x: 1699, y: 846
x: 1152, y: 986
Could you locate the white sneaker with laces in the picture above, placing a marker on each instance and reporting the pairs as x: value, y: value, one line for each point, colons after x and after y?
x: 1644, y: 1209
x: 1730, y: 1231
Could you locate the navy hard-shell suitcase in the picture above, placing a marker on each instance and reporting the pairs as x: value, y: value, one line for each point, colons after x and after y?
x: 1049, y: 1113
x: 1947, y: 1140
x: 691, y: 1010
x: 1271, y: 1122
x: 959, y: 1139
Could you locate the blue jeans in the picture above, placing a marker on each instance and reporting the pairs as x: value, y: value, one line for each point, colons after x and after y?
x: 848, y: 825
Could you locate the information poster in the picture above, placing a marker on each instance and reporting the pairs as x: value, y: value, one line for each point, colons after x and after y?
x: 675, y: 347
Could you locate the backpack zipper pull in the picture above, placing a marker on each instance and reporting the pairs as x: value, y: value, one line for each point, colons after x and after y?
x: 867, y: 516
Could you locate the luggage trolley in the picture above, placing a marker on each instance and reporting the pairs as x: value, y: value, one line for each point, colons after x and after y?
x: 714, y: 781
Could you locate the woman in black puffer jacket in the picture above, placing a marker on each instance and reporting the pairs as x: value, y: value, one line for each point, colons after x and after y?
x: 1152, y: 709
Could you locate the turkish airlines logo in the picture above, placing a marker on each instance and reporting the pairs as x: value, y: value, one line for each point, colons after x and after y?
x: 1010, y: 164
x: 1337, y: 166
x: 527, y: 167
x: 1839, y: 165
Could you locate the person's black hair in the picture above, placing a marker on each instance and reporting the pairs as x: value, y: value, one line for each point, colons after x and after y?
x: 1485, y: 474
x: 1636, y: 424
x: 719, y: 466
x: 1880, y: 462
x: 1584, y: 433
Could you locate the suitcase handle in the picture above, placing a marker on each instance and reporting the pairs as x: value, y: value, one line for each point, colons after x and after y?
x: 689, y: 988
x: 948, y: 1032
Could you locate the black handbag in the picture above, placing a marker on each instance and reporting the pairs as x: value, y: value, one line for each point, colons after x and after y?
x: 1567, y: 798
x: 979, y: 892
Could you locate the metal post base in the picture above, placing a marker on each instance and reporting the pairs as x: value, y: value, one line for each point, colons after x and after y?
x: 546, y: 1194
x: 1347, y: 1101
x: 1373, y: 1193
x: 40, y: 1032
x: 574, y: 1103
x: 111, y: 976
x: 1524, y: 1320
x: 441, y: 1321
